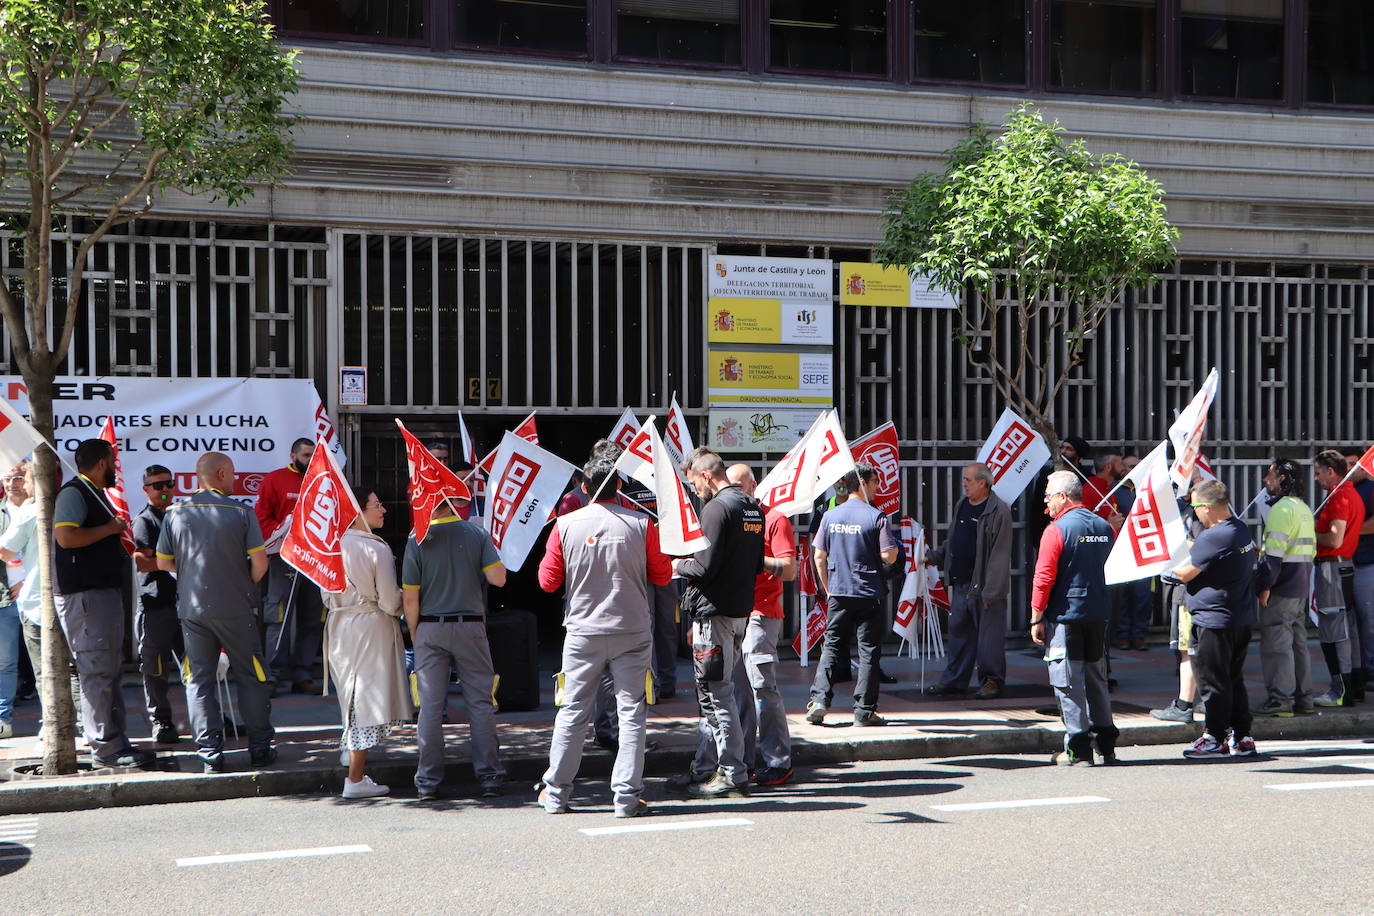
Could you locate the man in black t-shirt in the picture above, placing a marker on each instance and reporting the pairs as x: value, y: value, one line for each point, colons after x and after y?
x: 156, y: 626
x: 1220, y: 578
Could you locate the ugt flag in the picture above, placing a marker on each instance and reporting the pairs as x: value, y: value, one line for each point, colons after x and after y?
x: 115, y: 494
x: 879, y: 448
x: 525, y: 485
x: 1186, y: 431
x: 646, y: 459
x: 431, y: 482
x: 17, y: 438
x: 1153, y: 538
x: 324, y: 511
x: 1014, y: 453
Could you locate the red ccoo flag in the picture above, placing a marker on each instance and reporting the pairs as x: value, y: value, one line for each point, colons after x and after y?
x: 115, y: 494
x: 324, y: 511
x: 526, y: 430
x: 431, y: 482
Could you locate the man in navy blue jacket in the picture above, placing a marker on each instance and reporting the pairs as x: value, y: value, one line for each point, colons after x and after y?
x: 1070, y: 612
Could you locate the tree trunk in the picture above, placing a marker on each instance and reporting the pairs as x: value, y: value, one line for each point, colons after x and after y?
x: 59, y: 716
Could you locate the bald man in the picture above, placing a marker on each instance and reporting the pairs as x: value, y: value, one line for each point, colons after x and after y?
x: 214, y: 545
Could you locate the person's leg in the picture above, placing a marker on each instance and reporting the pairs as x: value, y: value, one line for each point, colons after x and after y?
x: 1213, y: 670
x: 93, y: 622
x: 240, y: 639
x: 744, y: 702
x: 583, y: 666
x: 1240, y: 700
x: 1063, y: 656
x: 472, y: 654
x: 202, y: 699
x: 838, y: 625
x: 1276, y: 650
x: 309, y: 631
x: 870, y: 631
x: 11, y: 637
x: 433, y: 663
x: 605, y: 719
x: 1095, y: 692
x: 276, y: 646
x: 1302, y: 656
x: 721, y: 638
x: 761, y: 657
x: 1354, y: 673
x: 665, y: 632
x: 963, y: 646
x: 631, y: 664
x: 1364, y: 609
x: 152, y: 630
x: 992, y: 640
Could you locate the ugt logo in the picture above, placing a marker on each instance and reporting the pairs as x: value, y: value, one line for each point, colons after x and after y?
x: 512, y: 486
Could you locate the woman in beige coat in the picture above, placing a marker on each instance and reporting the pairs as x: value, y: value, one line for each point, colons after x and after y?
x: 363, y: 647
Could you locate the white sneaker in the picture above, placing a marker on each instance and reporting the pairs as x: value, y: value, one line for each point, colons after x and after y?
x: 363, y: 788
x: 6, y: 729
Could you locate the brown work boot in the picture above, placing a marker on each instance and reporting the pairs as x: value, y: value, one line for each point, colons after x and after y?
x: 991, y: 690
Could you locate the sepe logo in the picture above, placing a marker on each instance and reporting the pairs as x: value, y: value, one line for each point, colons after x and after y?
x: 854, y: 285
x: 1014, y: 441
x: 509, y: 491
x: 321, y: 522
x: 1146, y: 525
x: 724, y: 321
x: 731, y: 370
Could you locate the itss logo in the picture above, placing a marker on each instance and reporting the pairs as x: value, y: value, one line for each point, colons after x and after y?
x: 806, y: 316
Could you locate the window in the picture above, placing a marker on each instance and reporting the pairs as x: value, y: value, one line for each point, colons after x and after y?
x: 835, y: 36
x: 1103, y: 45
x: 976, y: 41
x: 695, y: 31
x: 403, y: 20
x: 1232, y: 49
x: 523, y: 25
x: 1340, y: 52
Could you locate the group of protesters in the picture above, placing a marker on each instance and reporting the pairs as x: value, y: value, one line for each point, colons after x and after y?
x: 209, y: 573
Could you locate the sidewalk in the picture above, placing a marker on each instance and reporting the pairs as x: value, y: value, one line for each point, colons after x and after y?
x: 307, y: 735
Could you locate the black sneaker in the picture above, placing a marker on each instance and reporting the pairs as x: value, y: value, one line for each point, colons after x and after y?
x: 427, y: 793
x: 213, y: 764
x: 772, y: 776
x: 1273, y: 708
x: 133, y: 757
x: 1174, y: 712
x: 166, y: 734
x: 263, y: 757
x: 945, y: 690
x: 492, y: 788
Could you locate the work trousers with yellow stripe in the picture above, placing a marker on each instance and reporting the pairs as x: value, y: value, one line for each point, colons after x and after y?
x: 238, y: 635
x: 442, y: 647
x: 156, y: 630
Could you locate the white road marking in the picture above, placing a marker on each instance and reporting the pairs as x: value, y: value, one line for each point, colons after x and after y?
x: 1331, y: 784
x: 276, y: 854
x: 680, y: 825
x: 1024, y: 803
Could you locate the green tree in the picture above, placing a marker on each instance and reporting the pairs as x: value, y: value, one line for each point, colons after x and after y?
x: 1035, y: 238
x: 104, y: 106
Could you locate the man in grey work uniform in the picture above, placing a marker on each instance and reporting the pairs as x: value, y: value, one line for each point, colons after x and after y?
x: 608, y: 557
x: 214, y: 545
x: 445, y: 606
x: 89, y: 562
x: 155, y: 619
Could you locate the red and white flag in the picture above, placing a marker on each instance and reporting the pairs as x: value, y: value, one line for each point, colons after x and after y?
x: 911, y: 606
x: 820, y: 457
x: 646, y: 459
x: 676, y: 436
x: 1366, y: 461
x: 523, y: 491
x: 324, y: 511
x: 1014, y: 453
x: 806, y: 571
x: 1153, y: 538
x: 911, y: 530
x: 18, y: 438
x: 936, y: 594
x: 1186, y: 431
x: 465, y: 442
x: 115, y: 494
x: 625, y: 428
x: 815, y: 628
x: 526, y: 430
x: 431, y: 482
x: 879, y: 448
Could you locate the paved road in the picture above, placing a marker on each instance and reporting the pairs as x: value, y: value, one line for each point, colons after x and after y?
x: 1158, y: 835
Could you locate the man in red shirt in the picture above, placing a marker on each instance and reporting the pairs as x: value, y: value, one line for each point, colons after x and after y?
x: 1338, y: 534
x: 288, y: 659
x: 1108, y: 464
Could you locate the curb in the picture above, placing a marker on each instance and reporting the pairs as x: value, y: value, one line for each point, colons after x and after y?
x: 88, y: 792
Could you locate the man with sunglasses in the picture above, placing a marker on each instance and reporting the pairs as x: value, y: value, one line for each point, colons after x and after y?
x: 155, y: 620
x: 1220, y: 578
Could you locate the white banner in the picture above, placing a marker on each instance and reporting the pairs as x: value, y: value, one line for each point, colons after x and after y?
x: 173, y: 421
x: 1153, y: 539
x: 1014, y: 453
x: 522, y: 493
x: 1186, y: 432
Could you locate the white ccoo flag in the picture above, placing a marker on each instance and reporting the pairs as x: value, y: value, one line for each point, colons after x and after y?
x: 819, y: 458
x: 624, y: 429
x: 522, y: 493
x: 1186, y: 433
x: 676, y: 436
x: 1153, y: 538
x: 1014, y: 453
x: 646, y: 459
